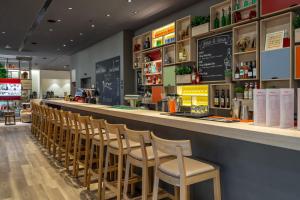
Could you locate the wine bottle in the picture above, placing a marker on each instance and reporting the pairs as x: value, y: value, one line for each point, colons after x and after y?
x: 246, y: 69
x: 223, y: 99
x: 242, y: 72
x: 237, y: 72
x: 228, y: 21
x: 217, y: 21
x: 254, y: 71
x: 217, y: 99
x: 250, y: 70
x: 228, y: 99
x: 223, y: 20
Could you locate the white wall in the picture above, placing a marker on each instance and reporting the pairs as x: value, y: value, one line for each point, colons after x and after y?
x: 48, y: 80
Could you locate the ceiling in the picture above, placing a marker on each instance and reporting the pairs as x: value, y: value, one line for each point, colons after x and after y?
x: 51, y: 44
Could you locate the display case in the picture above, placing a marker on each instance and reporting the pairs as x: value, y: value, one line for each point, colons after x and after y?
x: 244, y: 11
x: 152, y: 67
x: 245, y: 63
x: 164, y: 35
x: 220, y: 16
x: 221, y: 96
x: 276, y: 51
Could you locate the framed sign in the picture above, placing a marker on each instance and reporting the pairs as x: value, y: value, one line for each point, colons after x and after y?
x: 214, y: 56
x: 274, y: 40
x: 108, y: 81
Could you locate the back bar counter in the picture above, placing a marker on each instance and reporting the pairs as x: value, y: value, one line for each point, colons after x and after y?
x: 257, y: 163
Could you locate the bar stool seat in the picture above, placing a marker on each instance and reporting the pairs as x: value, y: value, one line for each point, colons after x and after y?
x: 111, y: 136
x: 193, y: 167
x: 137, y: 154
x: 132, y: 144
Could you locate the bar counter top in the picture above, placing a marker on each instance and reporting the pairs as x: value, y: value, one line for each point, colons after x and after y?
x: 284, y: 138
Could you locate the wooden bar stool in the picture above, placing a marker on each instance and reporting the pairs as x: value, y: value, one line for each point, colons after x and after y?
x: 56, y: 132
x: 182, y: 171
x: 51, y: 128
x: 83, y: 149
x: 64, y: 128
x: 34, y: 118
x: 71, y: 140
x: 119, y: 149
x: 44, y: 133
x: 40, y: 122
x: 98, y: 144
x: 142, y: 157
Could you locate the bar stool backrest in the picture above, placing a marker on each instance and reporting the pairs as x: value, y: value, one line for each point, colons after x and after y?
x: 116, y: 129
x: 141, y: 137
x: 98, y: 127
x: 85, y: 124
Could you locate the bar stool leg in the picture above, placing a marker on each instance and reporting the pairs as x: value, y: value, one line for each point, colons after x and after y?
x: 120, y: 170
x: 100, y: 178
x: 184, y: 194
x: 105, y: 175
x: 217, y: 186
x: 155, y: 187
x: 125, y: 190
x: 89, y: 176
x: 145, y: 182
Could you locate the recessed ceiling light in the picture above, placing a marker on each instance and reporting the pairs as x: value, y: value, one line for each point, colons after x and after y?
x: 50, y: 29
x: 129, y: 1
x: 70, y: 8
x: 3, y: 32
x: 134, y: 12
x: 59, y: 20
x: 65, y: 66
x: 107, y: 15
x: 80, y: 34
x: 64, y: 45
x: 93, y: 25
x: 7, y: 47
x: 71, y: 40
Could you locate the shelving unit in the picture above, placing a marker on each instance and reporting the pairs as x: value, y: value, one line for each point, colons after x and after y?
x: 164, y: 35
x: 277, y: 65
x: 246, y: 13
x: 245, y: 32
x: 152, y: 67
x: 169, y: 55
x: 217, y: 10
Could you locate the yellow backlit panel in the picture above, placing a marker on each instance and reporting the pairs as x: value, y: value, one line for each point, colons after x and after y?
x: 193, y: 95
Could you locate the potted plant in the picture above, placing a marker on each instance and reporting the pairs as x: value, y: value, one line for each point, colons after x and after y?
x: 228, y: 75
x: 297, y: 27
x: 200, y: 25
x: 183, y: 75
x: 239, y: 92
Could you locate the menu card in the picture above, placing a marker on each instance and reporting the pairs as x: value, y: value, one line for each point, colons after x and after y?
x: 273, y: 107
x: 259, y: 106
x: 298, y: 103
x: 286, y: 108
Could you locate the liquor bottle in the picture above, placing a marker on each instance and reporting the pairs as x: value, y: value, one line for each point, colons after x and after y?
x: 237, y: 72
x: 246, y: 91
x: 217, y: 99
x: 246, y: 3
x: 197, y: 78
x: 184, y: 54
x: 254, y: 72
x: 242, y: 72
x: 250, y: 91
x: 223, y: 104
x: 228, y: 20
x: 223, y: 20
x: 250, y: 70
x: 194, y: 75
x: 237, y: 5
x: 217, y: 21
x: 246, y: 69
x: 228, y: 99
x: 286, y: 39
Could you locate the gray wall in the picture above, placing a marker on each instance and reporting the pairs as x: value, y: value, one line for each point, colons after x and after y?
x: 198, y: 9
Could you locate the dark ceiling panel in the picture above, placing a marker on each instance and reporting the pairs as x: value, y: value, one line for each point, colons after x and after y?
x: 16, y: 20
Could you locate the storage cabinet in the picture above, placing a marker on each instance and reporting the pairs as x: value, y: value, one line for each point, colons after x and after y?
x: 273, y: 6
x: 169, y: 76
x: 276, y: 64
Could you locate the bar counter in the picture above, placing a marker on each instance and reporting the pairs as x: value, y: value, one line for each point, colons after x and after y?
x: 256, y: 162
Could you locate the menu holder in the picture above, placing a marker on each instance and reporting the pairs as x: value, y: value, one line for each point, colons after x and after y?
x: 274, y: 40
x: 259, y: 106
x: 273, y: 107
x: 298, y: 102
x: 287, y: 108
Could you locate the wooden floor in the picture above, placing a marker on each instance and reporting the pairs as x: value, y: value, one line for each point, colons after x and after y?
x: 26, y: 172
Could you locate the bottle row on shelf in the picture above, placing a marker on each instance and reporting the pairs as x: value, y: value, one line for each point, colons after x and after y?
x: 222, y: 100
x: 246, y: 70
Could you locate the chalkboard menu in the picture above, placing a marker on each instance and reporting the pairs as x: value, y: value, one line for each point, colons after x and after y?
x: 214, y: 56
x: 108, y: 81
